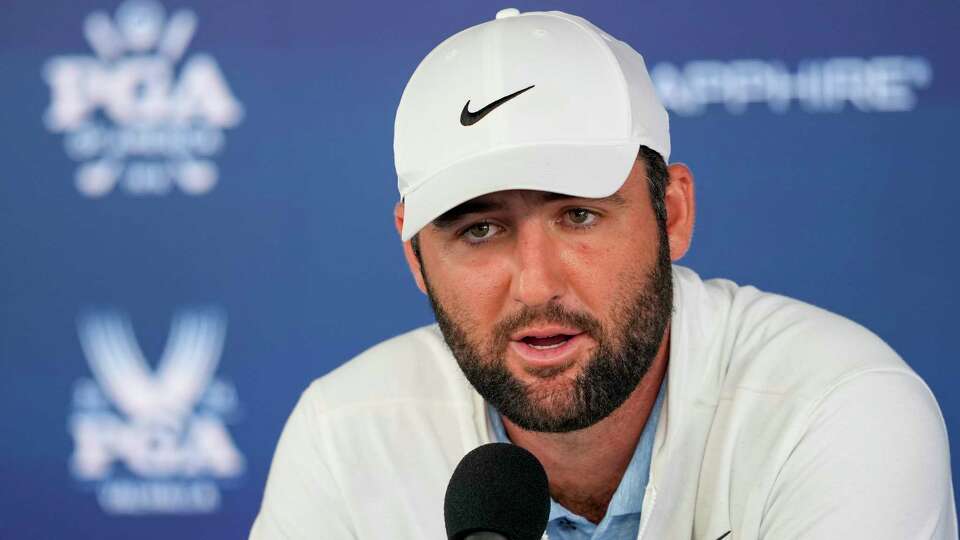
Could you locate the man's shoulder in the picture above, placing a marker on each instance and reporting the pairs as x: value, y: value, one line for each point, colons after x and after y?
x: 812, y: 411
x: 794, y: 339
x: 798, y: 348
x: 770, y: 343
x: 414, y: 366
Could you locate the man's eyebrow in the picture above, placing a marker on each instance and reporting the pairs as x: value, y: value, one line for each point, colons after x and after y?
x: 477, y: 206
x: 457, y: 213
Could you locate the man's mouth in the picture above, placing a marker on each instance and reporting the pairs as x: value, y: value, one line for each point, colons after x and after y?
x: 548, y: 346
x: 546, y: 337
x: 548, y: 342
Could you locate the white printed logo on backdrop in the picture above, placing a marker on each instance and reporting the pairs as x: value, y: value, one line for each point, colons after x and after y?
x: 141, y: 116
x: 154, y: 441
x: 879, y: 84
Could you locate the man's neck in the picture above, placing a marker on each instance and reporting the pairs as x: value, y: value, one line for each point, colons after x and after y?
x: 585, y: 466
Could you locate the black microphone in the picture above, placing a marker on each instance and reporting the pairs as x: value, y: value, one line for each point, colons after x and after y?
x: 499, y: 491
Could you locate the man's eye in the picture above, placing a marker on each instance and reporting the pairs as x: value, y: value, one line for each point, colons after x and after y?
x: 480, y: 232
x: 581, y: 217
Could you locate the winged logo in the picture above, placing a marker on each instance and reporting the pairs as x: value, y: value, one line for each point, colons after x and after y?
x: 168, y: 394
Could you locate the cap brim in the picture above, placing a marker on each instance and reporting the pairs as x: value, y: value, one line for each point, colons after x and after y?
x: 592, y: 171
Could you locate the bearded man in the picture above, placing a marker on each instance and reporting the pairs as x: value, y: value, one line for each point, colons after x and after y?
x: 540, y: 218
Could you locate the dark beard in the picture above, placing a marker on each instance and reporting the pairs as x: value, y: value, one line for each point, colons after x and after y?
x: 623, y: 356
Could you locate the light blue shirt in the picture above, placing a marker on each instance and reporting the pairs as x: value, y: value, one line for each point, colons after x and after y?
x: 622, y: 520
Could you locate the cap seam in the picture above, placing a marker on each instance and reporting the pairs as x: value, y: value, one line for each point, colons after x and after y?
x: 611, y: 57
x: 414, y: 187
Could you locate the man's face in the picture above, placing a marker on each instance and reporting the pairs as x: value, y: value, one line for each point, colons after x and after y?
x: 554, y: 307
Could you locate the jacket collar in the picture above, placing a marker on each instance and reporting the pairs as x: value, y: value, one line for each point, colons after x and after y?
x: 693, y: 388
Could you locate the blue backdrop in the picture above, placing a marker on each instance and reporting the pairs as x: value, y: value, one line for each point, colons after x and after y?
x: 196, y: 197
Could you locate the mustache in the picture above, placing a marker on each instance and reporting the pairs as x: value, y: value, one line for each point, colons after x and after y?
x: 549, y: 313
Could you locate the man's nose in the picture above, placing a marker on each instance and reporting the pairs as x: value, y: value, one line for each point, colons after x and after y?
x: 539, y: 275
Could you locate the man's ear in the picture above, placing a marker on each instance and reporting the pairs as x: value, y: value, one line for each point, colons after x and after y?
x: 408, y: 253
x: 681, y: 209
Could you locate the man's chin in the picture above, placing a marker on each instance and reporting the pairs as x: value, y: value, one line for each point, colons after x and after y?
x: 540, y: 373
x: 550, y: 416
x: 551, y: 390
x: 553, y: 397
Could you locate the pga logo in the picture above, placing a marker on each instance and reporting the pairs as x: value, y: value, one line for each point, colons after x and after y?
x: 139, y: 114
x: 154, y: 440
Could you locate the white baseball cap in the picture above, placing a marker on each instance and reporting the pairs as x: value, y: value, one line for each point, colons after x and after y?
x: 541, y: 100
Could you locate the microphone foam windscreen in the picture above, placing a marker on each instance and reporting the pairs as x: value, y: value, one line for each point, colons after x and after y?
x: 497, y: 487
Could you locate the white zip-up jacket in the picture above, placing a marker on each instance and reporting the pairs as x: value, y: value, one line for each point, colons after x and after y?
x: 781, y: 421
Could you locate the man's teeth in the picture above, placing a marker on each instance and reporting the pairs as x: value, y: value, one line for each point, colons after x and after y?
x: 542, y: 347
x: 549, y: 342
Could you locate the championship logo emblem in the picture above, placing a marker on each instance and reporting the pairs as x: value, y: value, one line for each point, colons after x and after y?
x: 154, y: 440
x: 138, y: 116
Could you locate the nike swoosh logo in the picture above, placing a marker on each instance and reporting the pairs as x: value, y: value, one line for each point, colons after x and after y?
x: 726, y: 534
x: 468, y: 118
